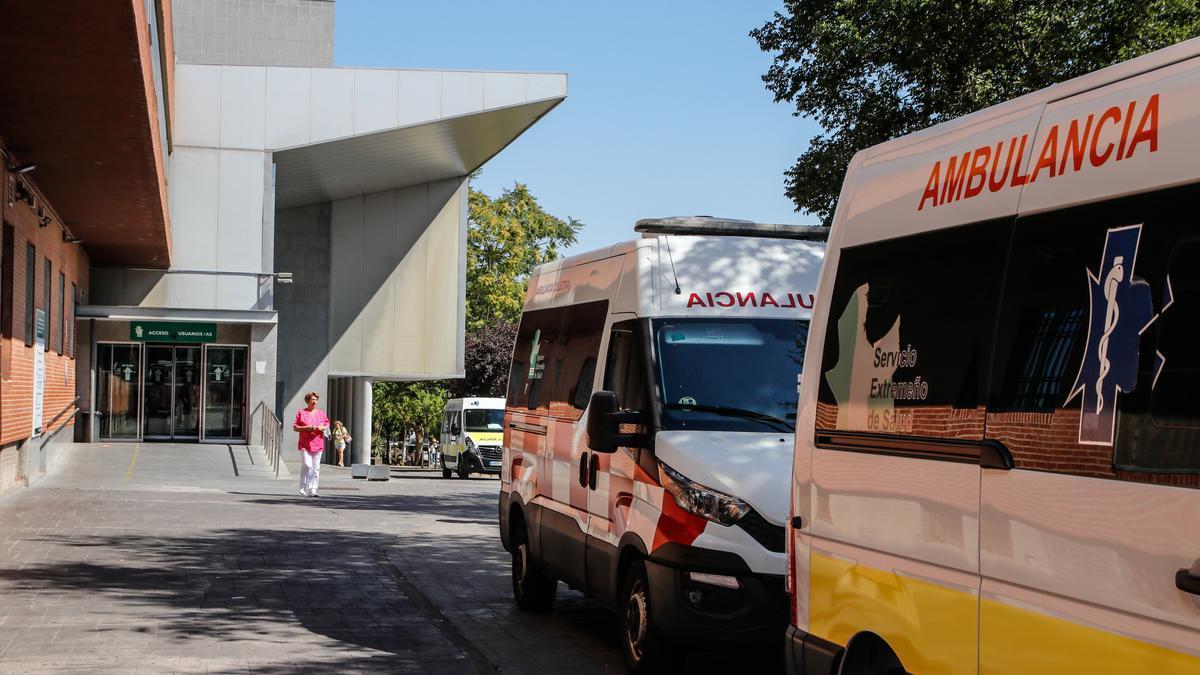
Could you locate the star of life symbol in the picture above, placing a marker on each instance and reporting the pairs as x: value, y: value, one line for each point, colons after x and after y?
x: 1120, y: 309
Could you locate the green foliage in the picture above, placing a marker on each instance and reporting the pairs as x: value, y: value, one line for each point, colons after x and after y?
x: 506, y: 238
x: 870, y: 70
x: 399, y: 406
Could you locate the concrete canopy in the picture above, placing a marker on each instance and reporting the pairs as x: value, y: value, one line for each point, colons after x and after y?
x: 399, y: 157
x: 341, y: 132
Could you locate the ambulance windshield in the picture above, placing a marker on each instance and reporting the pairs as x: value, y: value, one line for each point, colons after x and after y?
x: 484, y: 420
x: 729, y: 374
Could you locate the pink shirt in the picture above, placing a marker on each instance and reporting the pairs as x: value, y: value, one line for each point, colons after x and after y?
x: 311, y: 441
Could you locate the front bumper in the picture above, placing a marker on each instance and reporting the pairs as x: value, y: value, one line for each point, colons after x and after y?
x: 756, y: 611
x: 477, y: 464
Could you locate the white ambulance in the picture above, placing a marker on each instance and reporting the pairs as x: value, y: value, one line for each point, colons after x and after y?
x: 648, y: 431
x: 997, y: 463
x: 472, y: 431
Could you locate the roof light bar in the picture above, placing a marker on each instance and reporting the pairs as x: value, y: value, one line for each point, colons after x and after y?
x: 729, y: 227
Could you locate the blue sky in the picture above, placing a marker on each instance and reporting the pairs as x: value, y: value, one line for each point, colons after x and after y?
x: 665, y: 115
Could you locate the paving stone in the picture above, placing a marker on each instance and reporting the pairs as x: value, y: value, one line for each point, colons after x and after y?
x: 169, y: 562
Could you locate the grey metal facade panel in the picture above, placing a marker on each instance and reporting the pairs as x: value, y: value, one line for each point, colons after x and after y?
x: 126, y: 313
x: 408, y: 156
x: 254, y: 32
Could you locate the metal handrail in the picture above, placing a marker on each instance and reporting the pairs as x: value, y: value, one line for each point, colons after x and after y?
x: 270, y: 435
x: 73, y: 404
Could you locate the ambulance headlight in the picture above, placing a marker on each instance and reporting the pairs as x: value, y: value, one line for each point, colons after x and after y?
x: 702, y: 501
x: 470, y: 446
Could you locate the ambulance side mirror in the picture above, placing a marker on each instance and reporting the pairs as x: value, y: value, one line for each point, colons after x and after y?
x: 605, y: 418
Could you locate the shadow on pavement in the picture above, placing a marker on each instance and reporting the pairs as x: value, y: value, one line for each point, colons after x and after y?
x: 227, y: 593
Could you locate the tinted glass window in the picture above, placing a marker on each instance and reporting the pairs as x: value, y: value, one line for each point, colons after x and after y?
x: 1096, y: 339
x: 728, y: 374
x: 47, y: 289
x: 62, y: 312
x: 556, y: 348
x: 909, y: 334
x: 625, y: 365
x: 484, y: 420
x: 30, y: 281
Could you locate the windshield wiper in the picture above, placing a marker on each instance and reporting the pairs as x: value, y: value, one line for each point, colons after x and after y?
x: 769, y: 420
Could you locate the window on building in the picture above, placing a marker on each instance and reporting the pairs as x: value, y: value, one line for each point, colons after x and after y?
x: 71, y: 346
x: 909, y: 334
x: 1096, y: 336
x: 30, y: 292
x: 8, y: 274
x: 62, y: 311
x: 557, y: 350
x: 47, y: 291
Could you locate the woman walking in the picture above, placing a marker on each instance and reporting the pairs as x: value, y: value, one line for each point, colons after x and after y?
x: 341, y: 436
x: 312, y: 425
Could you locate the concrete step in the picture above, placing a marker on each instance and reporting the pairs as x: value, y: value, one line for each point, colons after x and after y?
x: 252, y: 462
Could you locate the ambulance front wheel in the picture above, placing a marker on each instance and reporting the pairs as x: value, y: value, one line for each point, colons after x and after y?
x: 445, y: 471
x: 642, y: 646
x: 533, y: 591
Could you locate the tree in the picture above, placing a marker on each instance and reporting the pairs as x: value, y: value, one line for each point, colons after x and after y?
x: 401, y: 407
x: 871, y: 70
x: 487, y: 356
x: 506, y: 238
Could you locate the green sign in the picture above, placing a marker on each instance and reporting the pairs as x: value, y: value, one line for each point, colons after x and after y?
x: 168, y: 331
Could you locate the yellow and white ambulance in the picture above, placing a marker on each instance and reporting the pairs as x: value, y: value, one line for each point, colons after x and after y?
x: 472, y: 431
x: 997, y: 457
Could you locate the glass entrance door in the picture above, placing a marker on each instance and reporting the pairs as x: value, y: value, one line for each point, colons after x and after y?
x: 118, y: 390
x: 171, y: 393
x: 186, y: 422
x: 157, y: 386
x: 224, y: 392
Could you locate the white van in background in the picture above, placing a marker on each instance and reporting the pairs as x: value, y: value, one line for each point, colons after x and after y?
x: 472, y: 431
x: 997, y: 463
x: 649, y: 426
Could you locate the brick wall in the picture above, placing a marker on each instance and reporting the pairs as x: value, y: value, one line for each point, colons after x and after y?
x: 16, y: 359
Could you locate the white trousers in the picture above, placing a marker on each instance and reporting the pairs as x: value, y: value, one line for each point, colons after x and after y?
x: 310, y: 471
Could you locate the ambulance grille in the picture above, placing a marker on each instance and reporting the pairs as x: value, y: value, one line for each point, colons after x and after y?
x: 491, y: 451
x: 772, y: 537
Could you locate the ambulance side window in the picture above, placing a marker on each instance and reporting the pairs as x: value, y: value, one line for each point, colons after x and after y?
x: 625, y: 369
x: 909, y: 335
x: 556, y: 350
x: 1096, y: 341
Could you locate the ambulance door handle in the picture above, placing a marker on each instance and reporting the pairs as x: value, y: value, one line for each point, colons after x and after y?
x: 583, y: 470
x: 593, y: 478
x: 1187, y: 582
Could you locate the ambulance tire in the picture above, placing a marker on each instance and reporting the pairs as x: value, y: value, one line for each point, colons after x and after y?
x: 533, y: 591
x: 642, y: 646
x: 445, y: 470
x: 464, y: 467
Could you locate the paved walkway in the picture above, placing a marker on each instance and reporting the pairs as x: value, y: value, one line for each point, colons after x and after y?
x: 193, y: 558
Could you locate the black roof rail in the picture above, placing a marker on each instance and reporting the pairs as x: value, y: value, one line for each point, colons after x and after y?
x: 729, y: 227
